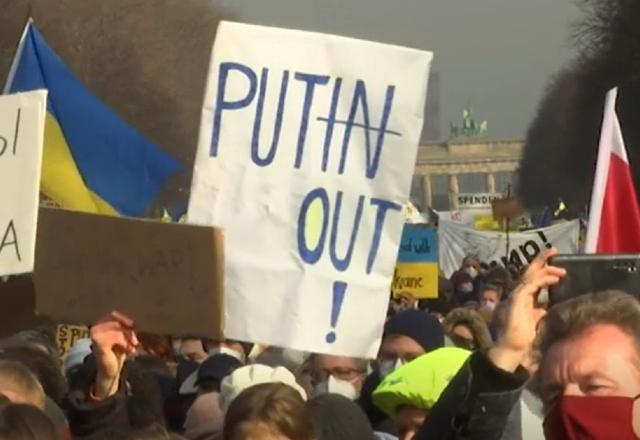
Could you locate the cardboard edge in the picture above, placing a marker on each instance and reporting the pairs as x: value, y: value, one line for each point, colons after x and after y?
x: 218, y: 273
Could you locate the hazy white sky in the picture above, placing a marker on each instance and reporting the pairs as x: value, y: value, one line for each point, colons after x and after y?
x: 495, y: 56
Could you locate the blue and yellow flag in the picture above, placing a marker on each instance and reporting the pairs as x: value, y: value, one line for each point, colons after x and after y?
x: 93, y: 161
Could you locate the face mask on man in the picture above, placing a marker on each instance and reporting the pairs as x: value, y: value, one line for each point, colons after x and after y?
x: 578, y: 417
x: 389, y: 366
x: 333, y: 385
x: 490, y: 305
x: 472, y: 272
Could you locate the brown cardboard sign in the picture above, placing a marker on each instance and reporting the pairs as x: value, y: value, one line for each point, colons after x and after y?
x: 506, y: 208
x: 167, y: 277
x: 67, y: 335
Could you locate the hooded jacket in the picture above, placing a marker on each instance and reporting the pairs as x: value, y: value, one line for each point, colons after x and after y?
x: 474, y: 322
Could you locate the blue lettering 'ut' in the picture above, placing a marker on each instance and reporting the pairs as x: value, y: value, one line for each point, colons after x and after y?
x: 360, y: 101
x: 383, y: 207
x: 255, y: 139
x: 342, y: 264
x: 222, y: 105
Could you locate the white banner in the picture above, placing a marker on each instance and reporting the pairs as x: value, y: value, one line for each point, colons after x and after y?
x: 465, y: 217
x: 22, y: 119
x: 457, y: 241
x: 305, y: 158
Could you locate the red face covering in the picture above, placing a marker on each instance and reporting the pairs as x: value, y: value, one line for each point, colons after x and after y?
x: 590, y: 418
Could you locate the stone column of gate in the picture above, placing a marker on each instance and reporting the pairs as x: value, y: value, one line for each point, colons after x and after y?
x: 427, y: 195
x: 490, y: 182
x: 454, y: 190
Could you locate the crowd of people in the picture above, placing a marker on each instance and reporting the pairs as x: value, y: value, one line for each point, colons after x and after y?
x: 483, y: 361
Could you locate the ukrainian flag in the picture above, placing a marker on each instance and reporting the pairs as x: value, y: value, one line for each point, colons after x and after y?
x: 92, y: 161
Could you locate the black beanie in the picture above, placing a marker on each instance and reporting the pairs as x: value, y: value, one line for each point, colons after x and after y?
x: 337, y: 418
x: 425, y: 329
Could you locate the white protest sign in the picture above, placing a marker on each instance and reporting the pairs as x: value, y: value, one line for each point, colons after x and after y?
x: 22, y: 118
x: 457, y: 241
x: 305, y: 158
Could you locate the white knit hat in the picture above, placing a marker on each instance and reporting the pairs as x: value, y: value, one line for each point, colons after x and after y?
x: 251, y: 375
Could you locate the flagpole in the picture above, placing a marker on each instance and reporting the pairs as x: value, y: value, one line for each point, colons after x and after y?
x: 507, y: 220
x: 16, y: 57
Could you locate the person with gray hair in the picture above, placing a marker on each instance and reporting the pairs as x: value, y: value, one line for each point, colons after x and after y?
x: 337, y: 375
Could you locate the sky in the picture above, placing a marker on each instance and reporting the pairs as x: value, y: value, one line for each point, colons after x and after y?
x: 493, y: 56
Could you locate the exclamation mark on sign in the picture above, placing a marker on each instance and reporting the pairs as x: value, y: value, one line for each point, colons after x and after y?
x: 544, y: 239
x: 339, y: 289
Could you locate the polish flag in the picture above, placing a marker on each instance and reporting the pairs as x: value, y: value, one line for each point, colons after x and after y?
x: 614, y: 217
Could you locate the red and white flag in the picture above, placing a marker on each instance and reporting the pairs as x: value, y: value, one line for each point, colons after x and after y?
x: 614, y: 217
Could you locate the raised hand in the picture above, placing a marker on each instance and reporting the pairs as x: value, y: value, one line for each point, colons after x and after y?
x: 523, y: 314
x: 113, y: 340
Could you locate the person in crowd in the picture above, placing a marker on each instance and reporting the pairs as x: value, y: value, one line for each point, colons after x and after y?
x: 189, y: 349
x: 42, y: 365
x: 338, y: 418
x: 292, y: 360
x: 408, y: 394
x: 445, y: 289
x: 439, y: 308
x: 501, y: 277
x: 75, y: 358
x: 471, y: 265
x: 407, y: 336
x: 47, y: 372
x: 209, y: 374
x: 337, y: 375
x: 20, y: 385
x: 463, y: 288
x: 264, y: 402
x: 252, y: 375
x: 588, y: 376
x: 490, y: 296
x: 400, y: 302
x: 268, y: 411
x: 204, y: 419
x: 156, y: 346
x: 19, y: 421
x: 479, y: 400
x: 113, y: 396
x: 41, y: 338
x: 466, y: 329
x: 237, y: 349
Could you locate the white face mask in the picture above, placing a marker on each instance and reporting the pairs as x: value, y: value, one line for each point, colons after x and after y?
x: 465, y: 288
x: 472, y: 272
x: 489, y: 305
x: 228, y: 351
x: 337, y: 386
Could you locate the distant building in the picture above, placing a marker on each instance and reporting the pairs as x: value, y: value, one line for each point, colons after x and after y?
x: 444, y: 170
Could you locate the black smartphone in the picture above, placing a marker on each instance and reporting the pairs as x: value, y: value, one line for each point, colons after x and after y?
x: 594, y: 273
